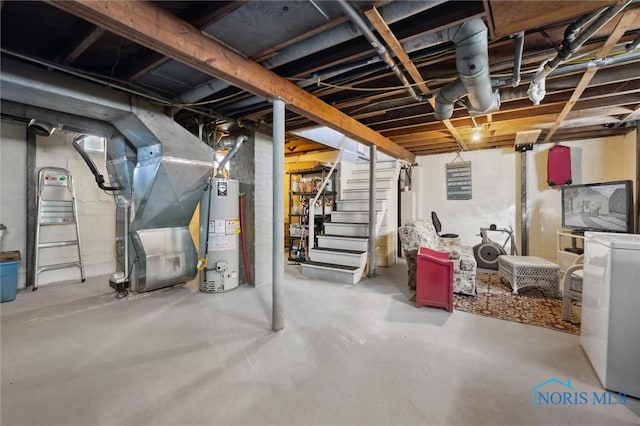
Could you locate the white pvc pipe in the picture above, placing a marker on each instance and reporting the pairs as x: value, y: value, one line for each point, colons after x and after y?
x: 278, y: 215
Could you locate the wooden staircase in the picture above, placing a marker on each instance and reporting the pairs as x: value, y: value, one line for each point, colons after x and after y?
x: 341, y: 253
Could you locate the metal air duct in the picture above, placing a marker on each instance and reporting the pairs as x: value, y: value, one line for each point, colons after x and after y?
x: 41, y: 128
x: 472, y: 63
x: 160, y: 167
x: 236, y: 146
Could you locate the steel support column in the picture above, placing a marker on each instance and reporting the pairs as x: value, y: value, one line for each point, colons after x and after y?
x: 637, y: 204
x: 373, y: 157
x: 524, y: 225
x: 278, y: 215
x: 31, y: 177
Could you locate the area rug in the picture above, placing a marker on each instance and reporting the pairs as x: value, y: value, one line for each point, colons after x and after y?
x: 534, y: 305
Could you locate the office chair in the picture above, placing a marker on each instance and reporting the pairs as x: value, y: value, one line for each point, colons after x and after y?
x: 438, y: 226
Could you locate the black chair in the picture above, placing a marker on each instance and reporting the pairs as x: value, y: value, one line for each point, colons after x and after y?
x: 438, y: 226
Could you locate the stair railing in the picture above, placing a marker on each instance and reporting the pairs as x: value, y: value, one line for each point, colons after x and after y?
x: 312, y: 204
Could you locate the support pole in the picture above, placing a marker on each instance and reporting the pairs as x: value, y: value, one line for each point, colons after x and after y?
x: 637, y: 203
x: 372, y: 209
x: 524, y: 234
x: 32, y: 192
x: 278, y: 215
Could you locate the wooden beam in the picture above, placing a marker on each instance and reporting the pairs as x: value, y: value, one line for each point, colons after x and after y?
x: 151, y: 26
x: 200, y: 15
x: 626, y: 20
x: 266, y: 54
x: 203, y: 14
x: 512, y: 16
x: 300, y: 147
x: 584, y: 82
x: 142, y: 66
x: 83, y: 45
x: 383, y: 29
x: 635, y: 115
x: 489, y: 17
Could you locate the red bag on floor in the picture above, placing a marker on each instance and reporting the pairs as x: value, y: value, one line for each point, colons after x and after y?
x: 559, y: 165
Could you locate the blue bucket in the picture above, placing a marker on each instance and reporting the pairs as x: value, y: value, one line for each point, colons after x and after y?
x: 8, y: 280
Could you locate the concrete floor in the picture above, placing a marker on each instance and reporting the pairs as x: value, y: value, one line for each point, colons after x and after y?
x: 74, y: 355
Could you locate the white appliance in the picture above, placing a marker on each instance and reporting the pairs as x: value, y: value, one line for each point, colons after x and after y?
x: 610, y: 330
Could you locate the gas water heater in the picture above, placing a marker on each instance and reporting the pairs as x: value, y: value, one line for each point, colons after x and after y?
x: 219, y: 235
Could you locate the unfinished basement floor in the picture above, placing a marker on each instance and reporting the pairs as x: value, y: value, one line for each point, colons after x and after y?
x: 74, y: 355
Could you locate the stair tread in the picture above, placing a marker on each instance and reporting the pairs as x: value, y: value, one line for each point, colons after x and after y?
x: 337, y: 250
x: 331, y: 265
x: 346, y: 223
x: 355, y: 211
x: 359, y: 200
x: 343, y: 236
x: 377, y: 168
x: 364, y: 189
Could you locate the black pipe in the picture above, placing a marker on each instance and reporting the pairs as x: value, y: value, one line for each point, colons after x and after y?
x: 633, y: 45
x: 572, y: 30
x: 92, y: 166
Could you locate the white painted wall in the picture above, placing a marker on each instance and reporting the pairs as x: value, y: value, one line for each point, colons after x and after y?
x: 13, y: 190
x: 96, y: 209
x: 263, y: 243
x: 595, y: 160
x: 493, y: 192
x: 496, y: 188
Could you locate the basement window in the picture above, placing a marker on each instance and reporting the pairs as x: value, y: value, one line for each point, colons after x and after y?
x: 93, y: 144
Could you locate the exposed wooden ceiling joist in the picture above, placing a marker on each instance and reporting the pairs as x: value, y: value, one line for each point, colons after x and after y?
x: 159, y: 30
x: 635, y: 115
x: 624, y: 22
x: 81, y: 45
x: 200, y: 15
x: 512, y: 16
x: 383, y: 29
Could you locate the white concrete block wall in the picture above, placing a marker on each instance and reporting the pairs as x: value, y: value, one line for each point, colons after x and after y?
x: 263, y: 242
x: 493, y: 192
x: 253, y: 167
x: 598, y: 160
x: 96, y: 210
x: 13, y: 190
x: 496, y: 188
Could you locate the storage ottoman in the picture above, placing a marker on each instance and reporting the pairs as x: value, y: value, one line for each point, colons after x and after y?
x: 528, y: 271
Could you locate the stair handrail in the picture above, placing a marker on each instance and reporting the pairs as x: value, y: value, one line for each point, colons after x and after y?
x: 312, y: 204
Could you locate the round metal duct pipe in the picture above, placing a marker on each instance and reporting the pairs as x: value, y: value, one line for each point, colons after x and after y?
x: 41, y: 128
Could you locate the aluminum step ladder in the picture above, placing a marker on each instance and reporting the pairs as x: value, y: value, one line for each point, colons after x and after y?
x: 57, y: 208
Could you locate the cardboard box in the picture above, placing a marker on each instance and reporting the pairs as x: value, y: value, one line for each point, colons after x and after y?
x: 9, y: 256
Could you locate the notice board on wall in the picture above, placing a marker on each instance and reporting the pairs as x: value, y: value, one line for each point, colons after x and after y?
x: 459, y: 180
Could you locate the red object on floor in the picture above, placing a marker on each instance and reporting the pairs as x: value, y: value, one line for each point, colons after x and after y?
x: 434, y: 283
x: 559, y: 165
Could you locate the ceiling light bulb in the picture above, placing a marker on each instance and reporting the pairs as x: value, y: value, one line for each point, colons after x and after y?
x: 475, y: 133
